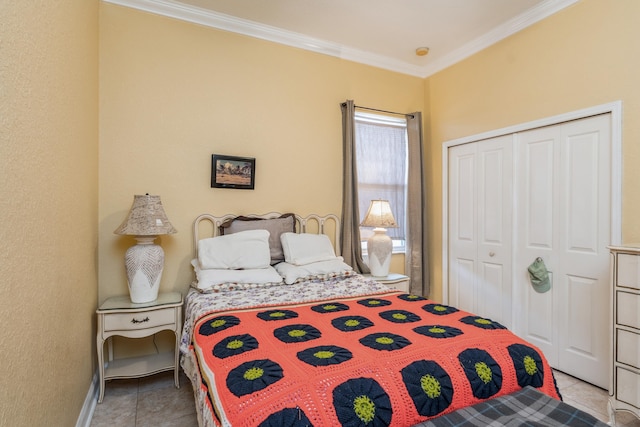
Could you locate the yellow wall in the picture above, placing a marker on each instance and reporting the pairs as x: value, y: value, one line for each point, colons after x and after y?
x: 49, y: 208
x: 585, y: 55
x: 174, y: 93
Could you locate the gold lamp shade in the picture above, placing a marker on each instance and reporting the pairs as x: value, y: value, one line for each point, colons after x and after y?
x: 380, y: 245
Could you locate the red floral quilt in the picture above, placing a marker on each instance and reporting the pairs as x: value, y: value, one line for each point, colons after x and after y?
x: 388, y: 359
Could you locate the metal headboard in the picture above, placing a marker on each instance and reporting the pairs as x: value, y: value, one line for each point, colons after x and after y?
x: 312, y: 223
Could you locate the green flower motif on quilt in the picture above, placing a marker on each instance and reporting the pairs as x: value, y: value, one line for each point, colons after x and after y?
x: 234, y: 345
x: 528, y: 365
x: 481, y: 322
x: 325, y: 355
x: 429, y: 386
x: 277, y: 315
x: 364, y: 408
x: 400, y: 316
x: 362, y: 402
x: 330, y: 307
x: 438, y: 331
x: 351, y: 323
x: 411, y: 297
x: 218, y: 324
x: 439, y: 309
x: 482, y: 371
x: 253, y: 376
x: 297, y: 333
x: 374, y: 302
x: 385, y: 341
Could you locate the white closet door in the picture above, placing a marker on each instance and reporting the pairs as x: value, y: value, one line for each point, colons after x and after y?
x: 463, y: 234
x: 563, y: 204
x: 480, y: 205
x: 536, y: 196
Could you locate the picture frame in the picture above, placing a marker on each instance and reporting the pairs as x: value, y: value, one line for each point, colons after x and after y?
x: 233, y: 172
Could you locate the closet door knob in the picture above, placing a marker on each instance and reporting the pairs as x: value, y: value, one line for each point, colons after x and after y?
x: 491, y: 254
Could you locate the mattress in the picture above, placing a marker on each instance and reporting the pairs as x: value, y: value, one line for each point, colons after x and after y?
x: 346, y: 351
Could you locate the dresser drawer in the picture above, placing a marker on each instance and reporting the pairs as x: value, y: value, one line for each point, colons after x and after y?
x: 140, y: 320
x: 628, y: 350
x: 628, y: 309
x: 628, y: 386
x: 629, y: 271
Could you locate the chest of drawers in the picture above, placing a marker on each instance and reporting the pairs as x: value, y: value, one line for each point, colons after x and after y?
x: 624, y: 388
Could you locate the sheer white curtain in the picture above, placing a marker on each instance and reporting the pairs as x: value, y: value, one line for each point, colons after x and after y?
x: 381, y: 158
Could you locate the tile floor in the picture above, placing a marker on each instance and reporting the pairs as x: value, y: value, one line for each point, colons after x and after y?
x: 155, y: 402
x: 147, y: 402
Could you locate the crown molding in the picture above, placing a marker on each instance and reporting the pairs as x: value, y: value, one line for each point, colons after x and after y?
x: 193, y: 14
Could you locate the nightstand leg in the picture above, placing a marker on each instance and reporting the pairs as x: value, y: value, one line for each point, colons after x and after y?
x: 100, y: 345
x: 176, y: 371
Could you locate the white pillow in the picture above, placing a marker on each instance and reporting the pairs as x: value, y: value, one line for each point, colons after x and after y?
x: 305, y: 248
x: 316, y: 270
x: 246, y: 249
x: 224, y: 279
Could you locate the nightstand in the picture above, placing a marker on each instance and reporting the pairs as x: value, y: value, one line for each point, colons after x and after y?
x: 119, y: 316
x: 393, y: 280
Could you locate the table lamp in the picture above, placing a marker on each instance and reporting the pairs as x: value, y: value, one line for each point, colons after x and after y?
x: 379, y: 246
x: 145, y: 261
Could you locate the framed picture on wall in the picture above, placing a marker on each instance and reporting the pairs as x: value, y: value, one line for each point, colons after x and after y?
x: 233, y: 172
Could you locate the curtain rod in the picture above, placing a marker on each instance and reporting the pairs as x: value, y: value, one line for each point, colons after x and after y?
x: 384, y: 111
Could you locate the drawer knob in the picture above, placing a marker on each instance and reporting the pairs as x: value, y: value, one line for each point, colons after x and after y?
x: 492, y: 254
x: 135, y: 321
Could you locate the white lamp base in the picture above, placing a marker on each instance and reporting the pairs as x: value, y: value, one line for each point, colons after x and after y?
x: 379, y: 248
x: 144, y: 263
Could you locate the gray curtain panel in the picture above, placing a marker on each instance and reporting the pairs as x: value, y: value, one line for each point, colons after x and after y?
x: 350, y: 234
x: 416, y: 257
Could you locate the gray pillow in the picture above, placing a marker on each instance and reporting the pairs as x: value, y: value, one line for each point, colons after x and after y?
x: 286, y: 223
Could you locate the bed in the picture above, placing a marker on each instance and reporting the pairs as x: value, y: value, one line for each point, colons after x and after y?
x: 279, y: 331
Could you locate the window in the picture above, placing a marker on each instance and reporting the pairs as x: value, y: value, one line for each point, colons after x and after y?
x: 381, y: 156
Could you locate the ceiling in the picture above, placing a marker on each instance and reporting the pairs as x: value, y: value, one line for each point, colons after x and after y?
x: 382, y: 33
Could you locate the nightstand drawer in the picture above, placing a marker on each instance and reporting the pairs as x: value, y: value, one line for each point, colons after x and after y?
x: 628, y: 351
x: 140, y: 320
x: 628, y: 307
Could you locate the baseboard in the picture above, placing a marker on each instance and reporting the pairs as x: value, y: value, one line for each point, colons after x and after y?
x: 86, y: 414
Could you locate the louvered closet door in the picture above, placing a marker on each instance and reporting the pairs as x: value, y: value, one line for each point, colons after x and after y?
x: 480, y: 209
x: 563, y: 204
